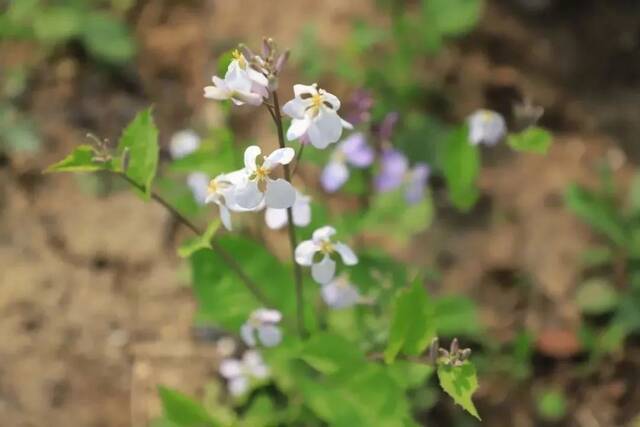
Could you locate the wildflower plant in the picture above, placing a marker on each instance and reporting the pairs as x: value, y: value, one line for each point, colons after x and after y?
x: 348, y: 346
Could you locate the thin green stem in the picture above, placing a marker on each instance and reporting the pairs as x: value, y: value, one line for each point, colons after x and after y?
x: 219, y: 250
x: 297, y: 270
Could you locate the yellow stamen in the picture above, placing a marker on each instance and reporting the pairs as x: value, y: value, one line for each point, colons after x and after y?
x: 326, y: 247
x: 240, y: 58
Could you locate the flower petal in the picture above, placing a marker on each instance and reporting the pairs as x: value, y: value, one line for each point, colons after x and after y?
x: 325, y: 128
x: 183, y: 143
x: 280, y: 194
x: 250, y: 98
x: 300, y: 90
x: 267, y: 315
x: 230, y: 368
x: 332, y: 100
x: 275, y: 218
x: 280, y: 156
x: 301, y: 212
x: 250, y: 155
x: 238, y: 386
x: 225, y: 217
x: 249, y: 196
x: 347, y: 255
x: 394, y: 166
x: 257, y: 77
x: 323, y: 271
x: 334, y: 175
x: 247, y: 333
x: 269, y: 335
x: 298, y: 128
x: 339, y: 295
x: 294, y: 108
x: 305, y: 251
x: 217, y: 93
x: 357, y: 151
x: 323, y: 233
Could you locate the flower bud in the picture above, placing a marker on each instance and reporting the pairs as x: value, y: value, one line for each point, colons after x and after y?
x: 281, y: 61
x: 455, y: 346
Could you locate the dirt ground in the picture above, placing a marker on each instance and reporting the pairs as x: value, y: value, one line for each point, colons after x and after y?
x: 95, y: 307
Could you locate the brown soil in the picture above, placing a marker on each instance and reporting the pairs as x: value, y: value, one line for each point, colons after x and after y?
x: 95, y: 307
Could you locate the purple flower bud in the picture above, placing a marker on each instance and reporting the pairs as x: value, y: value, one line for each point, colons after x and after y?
x: 388, y: 125
x: 360, y: 107
x: 417, y: 182
x: 393, y: 166
x: 281, y: 61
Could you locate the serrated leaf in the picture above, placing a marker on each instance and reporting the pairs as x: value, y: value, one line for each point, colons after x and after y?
x: 460, y: 382
x: 533, y: 140
x: 184, y: 411
x: 140, y: 142
x: 201, y: 242
x: 413, y: 323
x: 81, y: 159
x: 460, y: 163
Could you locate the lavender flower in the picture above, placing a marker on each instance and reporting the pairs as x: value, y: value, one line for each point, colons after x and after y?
x: 393, y: 167
x: 353, y: 151
x: 486, y: 127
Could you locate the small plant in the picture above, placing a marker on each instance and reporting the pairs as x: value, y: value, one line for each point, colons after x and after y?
x: 346, y: 347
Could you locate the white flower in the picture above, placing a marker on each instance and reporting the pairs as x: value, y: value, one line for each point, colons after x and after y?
x: 301, y: 210
x: 486, y: 127
x: 315, y: 114
x: 198, y: 182
x: 259, y: 186
x: 183, y: 143
x: 221, y: 191
x: 239, y: 373
x: 241, y: 84
x: 262, y: 323
x: 324, y: 270
x: 340, y: 293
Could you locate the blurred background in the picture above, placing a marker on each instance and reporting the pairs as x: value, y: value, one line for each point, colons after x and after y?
x: 95, y: 305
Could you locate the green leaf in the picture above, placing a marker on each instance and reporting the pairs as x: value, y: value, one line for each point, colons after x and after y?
x: 456, y: 316
x: 532, y: 140
x: 460, y: 382
x: 182, y: 410
x: 329, y: 353
x: 81, y: 159
x: 634, y: 195
x: 140, y: 142
x: 552, y: 405
x: 413, y: 323
x: 57, y: 24
x: 223, y: 298
x: 598, y: 213
x: 201, y: 242
x: 597, y: 296
x: 107, y: 38
x: 460, y: 163
x: 451, y: 17
x: 384, y: 214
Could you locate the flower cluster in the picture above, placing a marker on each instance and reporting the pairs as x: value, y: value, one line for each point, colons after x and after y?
x: 393, y: 166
